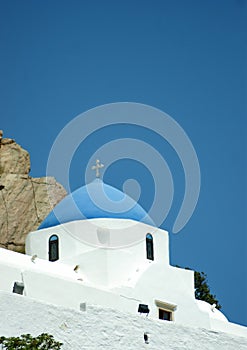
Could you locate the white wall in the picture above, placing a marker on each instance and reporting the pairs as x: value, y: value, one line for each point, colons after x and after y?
x: 58, y: 284
x: 101, y: 328
x: 102, y: 264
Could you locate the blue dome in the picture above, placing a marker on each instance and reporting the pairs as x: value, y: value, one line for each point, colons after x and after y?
x: 96, y: 200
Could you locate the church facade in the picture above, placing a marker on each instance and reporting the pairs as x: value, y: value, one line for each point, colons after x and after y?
x: 99, y: 247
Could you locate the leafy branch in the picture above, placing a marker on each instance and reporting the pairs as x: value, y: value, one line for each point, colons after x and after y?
x: 26, y: 342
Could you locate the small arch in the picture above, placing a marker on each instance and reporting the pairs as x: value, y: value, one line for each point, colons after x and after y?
x: 53, y: 248
x: 149, y: 247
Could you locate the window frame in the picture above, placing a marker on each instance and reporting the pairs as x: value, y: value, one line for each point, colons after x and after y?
x: 167, y: 307
x: 53, y: 242
x: 149, y: 247
x: 165, y: 311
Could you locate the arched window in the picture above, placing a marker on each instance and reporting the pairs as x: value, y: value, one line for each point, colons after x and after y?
x: 149, y: 247
x: 53, y: 248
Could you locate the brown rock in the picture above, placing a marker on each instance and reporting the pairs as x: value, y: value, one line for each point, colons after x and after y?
x: 13, y: 158
x: 24, y: 201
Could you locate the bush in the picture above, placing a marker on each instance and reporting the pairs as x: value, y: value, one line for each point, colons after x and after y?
x: 202, y: 290
x: 26, y: 342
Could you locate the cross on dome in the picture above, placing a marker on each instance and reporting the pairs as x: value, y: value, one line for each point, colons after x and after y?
x: 97, y: 167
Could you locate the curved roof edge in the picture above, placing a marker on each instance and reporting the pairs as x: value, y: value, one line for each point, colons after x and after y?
x: 96, y: 200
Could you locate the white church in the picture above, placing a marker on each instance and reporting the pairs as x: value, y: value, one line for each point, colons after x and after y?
x: 91, y: 250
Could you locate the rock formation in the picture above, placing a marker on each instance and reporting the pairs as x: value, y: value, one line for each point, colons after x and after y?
x: 24, y: 201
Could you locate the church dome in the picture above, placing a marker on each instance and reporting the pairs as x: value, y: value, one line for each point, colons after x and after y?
x: 96, y: 200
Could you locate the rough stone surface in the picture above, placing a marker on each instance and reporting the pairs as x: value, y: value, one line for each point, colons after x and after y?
x: 14, y: 159
x: 102, y: 328
x: 24, y: 201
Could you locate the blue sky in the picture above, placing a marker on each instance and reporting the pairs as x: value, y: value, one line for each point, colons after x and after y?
x: 187, y: 58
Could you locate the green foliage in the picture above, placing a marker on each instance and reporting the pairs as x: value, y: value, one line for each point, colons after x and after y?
x: 202, y: 290
x: 26, y: 342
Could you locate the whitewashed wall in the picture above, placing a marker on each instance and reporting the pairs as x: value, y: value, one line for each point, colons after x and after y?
x: 101, y: 328
x: 59, y: 284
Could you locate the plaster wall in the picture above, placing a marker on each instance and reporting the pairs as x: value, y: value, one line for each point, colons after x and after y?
x: 104, y: 328
x: 102, y: 263
x: 59, y: 284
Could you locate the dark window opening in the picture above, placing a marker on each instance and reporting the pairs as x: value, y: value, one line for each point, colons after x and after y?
x: 53, y: 248
x: 165, y: 315
x: 149, y: 247
x: 18, y: 288
x: 143, y: 309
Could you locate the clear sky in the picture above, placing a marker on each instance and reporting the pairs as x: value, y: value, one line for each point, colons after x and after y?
x: 188, y: 58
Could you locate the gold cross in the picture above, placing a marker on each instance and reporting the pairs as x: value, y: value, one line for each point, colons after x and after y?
x: 97, y: 167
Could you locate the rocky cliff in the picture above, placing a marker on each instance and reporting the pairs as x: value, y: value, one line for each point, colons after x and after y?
x: 24, y: 201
